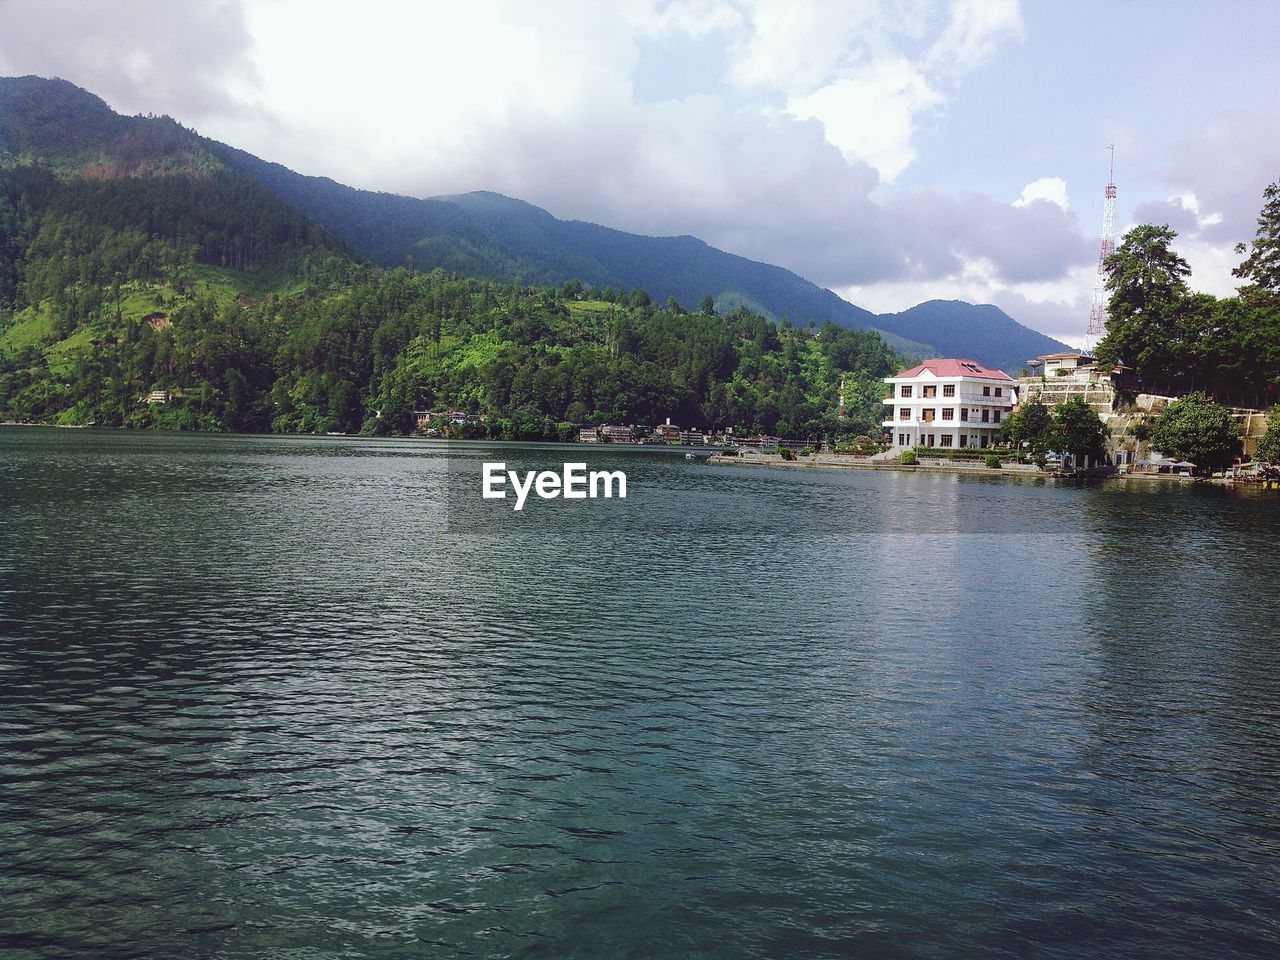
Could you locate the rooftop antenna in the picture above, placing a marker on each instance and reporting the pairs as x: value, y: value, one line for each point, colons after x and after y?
x: 1097, y: 328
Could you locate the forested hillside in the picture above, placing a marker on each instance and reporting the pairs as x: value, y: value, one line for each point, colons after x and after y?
x: 120, y: 276
x: 358, y: 348
x: 489, y: 235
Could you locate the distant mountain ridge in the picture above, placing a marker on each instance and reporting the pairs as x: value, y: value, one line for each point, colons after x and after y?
x: 486, y: 234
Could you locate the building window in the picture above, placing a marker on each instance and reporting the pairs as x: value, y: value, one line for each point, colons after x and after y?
x: 986, y: 391
x: 999, y: 391
x: 928, y: 391
x: 904, y: 413
x: 948, y: 413
x: 906, y: 390
x: 948, y: 389
x: 995, y: 416
x: 986, y: 416
x: 927, y: 415
x: 983, y: 442
x: 946, y: 439
x: 902, y: 439
x: 964, y: 414
x: 964, y: 440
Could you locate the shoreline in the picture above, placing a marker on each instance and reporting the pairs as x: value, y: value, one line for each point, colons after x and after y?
x: 829, y: 461
x: 716, y: 455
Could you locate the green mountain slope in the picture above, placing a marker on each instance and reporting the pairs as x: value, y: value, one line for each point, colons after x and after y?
x: 483, y: 234
x: 490, y: 235
x: 146, y: 282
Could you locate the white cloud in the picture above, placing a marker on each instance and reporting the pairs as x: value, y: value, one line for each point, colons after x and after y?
x: 871, y: 116
x: 794, y: 48
x: 1053, y: 189
x: 975, y: 32
x: 697, y: 18
x: 853, y: 66
x: 141, y: 59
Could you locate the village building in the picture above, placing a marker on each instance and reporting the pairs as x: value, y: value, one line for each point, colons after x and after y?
x: 667, y: 432
x: 947, y: 403
x: 424, y: 419
x: 694, y: 437
x: 616, y: 433
x: 1057, y: 377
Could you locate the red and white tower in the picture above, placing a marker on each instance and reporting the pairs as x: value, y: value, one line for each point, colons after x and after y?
x: 1098, y: 312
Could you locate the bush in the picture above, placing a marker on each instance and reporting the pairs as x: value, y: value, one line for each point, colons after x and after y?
x: 787, y: 454
x: 965, y: 453
x: 1040, y: 461
x: 907, y: 458
x: 992, y: 461
x: 1195, y: 428
x: 857, y: 448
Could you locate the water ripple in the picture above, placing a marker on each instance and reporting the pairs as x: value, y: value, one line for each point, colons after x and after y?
x: 275, y: 697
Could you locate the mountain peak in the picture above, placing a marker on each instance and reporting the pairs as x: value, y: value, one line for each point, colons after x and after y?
x: 491, y: 202
x: 56, y: 123
x: 51, y: 117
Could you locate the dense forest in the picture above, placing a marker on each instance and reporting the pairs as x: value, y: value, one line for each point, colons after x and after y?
x: 1177, y: 341
x: 253, y: 318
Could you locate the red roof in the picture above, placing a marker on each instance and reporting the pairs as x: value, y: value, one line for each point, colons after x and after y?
x: 955, y: 367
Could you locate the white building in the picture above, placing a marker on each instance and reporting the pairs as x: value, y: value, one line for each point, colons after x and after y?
x: 947, y: 403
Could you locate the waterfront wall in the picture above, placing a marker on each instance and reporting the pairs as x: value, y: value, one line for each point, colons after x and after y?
x: 1121, y: 415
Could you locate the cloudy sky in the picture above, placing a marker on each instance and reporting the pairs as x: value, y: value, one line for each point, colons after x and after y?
x: 893, y: 151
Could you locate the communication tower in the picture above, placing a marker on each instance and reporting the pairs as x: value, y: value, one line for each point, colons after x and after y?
x: 1097, y: 328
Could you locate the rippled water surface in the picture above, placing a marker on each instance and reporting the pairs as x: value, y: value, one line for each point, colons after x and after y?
x: 311, y: 698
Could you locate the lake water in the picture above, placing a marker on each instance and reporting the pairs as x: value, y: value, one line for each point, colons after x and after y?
x: 297, y: 697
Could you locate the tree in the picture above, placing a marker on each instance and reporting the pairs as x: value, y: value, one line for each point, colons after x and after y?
x: 1077, y: 430
x: 707, y: 305
x: 345, y: 407
x: 1148, y: 285
x: 1262, y: 267
x: 1031, y: 424
x: 1197, y: 429
x: 1269, y: 445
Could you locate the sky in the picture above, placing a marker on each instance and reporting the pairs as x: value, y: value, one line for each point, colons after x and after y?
x: 893, y: 151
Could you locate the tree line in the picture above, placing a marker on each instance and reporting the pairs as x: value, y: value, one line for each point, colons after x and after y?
x: 1177, y: 341
x: 359, y: 349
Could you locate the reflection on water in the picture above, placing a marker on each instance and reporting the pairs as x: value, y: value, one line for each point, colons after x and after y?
x: 304, y: 697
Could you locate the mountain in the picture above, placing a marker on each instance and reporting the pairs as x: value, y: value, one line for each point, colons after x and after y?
x: 490, y: 235
x: 128, y: 197
x: 975, y: 331
x: 147, y: 282
x: 483, y: 234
